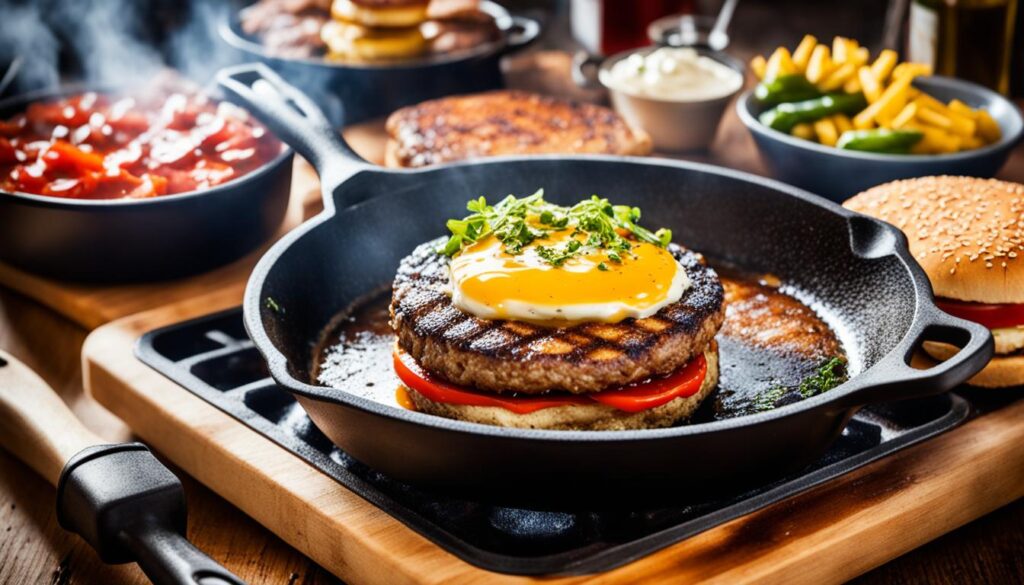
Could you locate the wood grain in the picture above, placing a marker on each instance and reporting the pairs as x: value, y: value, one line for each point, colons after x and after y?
x: 829, y: 534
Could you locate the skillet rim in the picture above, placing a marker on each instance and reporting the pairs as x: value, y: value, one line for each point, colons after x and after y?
x: 277, y: 363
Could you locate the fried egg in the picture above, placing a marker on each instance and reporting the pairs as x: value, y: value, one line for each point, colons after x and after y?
x: 488, y: 282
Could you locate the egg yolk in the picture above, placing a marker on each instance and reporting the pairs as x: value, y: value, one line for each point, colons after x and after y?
x: 490, y: 283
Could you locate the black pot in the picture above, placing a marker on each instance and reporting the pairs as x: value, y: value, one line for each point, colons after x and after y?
x: 858, y: 270
x: 373, y: 90
x: 125, y: 240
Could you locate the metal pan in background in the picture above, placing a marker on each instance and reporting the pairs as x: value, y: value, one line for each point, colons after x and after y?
x: 857, y: 268
x: 131, y: 240
x: 369, y: 90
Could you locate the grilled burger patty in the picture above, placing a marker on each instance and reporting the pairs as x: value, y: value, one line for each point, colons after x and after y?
x: 514, y: 356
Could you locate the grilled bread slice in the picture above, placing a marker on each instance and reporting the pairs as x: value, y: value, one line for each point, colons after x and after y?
x: 505, y: 122
x: 353, y: 42
x: 513, y: 356
x: 580, y: 417
x: 381, y: 13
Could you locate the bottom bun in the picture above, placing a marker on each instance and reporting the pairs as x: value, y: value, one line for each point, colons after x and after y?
x: 1004, y: 371
x: 579, y: 417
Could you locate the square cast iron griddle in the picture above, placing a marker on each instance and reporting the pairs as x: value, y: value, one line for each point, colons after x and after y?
x: 214, y: 359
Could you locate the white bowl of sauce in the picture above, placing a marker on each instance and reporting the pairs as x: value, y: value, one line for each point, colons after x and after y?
x: 676, y: 94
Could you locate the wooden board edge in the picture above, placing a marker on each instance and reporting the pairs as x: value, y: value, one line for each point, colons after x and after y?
x: 815, y: 537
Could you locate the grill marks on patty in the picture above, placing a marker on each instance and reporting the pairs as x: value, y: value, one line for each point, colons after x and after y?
x: 515, y: 356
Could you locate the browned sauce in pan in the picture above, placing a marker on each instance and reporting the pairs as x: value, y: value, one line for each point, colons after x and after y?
x: 769, y: 344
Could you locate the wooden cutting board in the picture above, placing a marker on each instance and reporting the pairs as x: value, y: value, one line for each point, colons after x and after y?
x: 829, y: 534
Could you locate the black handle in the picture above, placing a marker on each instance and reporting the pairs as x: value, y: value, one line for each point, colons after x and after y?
x: 167, y: 558
x: 129, y: 507
x: 521, y: 34
x: 295, y: 118
x: 893, y: 378
x: 585, y: 68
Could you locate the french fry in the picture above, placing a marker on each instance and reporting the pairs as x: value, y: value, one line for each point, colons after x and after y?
x: 820, y: 64
x: 963, y: 109
x: 852, y: 84
x: 972, y: 142
x: 930, y: 116
x: 826, y: 130
x: 842, y: 122
x: 883, y: 65
x: 911, y: 69
x: 963, y: 126
x: 839, y: 50
x: 926, y: 101
x: 838, y: 77
x: 905, y: 116
x: 869, y: 84
x: 988, y: 128
x: 803, y: 130
x: 892, y: 100
x: 780, y: 63
x: 861, y: 56
x: 758, y: 66
x: 802, y: 53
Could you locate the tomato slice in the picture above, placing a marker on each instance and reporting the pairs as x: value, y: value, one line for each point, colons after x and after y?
x: 636, y: 398
x: 993, y: 316
x: 685, y: 381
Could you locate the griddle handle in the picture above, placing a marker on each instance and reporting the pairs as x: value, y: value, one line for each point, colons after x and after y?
x: 119, y: 498
x: 296, y: 119
x: 893, y: 378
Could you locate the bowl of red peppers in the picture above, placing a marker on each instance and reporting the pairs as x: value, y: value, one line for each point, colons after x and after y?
x: 132, y: 185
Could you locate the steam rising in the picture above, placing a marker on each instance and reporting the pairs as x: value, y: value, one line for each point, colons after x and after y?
x: 111, y: 42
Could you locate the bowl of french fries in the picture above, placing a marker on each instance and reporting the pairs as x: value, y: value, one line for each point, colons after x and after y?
x: 835, y: 119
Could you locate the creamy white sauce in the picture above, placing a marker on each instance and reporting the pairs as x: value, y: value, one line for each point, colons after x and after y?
x: 673, y: 74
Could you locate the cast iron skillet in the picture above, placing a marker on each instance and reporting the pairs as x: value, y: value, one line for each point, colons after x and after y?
x: 346, y: 86
x: 122, y: 240
x: 857, y: 268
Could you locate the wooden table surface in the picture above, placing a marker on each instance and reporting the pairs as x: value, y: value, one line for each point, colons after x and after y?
x: 34, y: 549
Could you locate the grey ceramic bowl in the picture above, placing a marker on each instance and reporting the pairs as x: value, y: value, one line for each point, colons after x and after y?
x: 838, y: 174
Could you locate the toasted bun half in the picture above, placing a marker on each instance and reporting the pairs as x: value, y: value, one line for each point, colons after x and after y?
x: 1004, y: 371
x: 347, y: 41
x: 967, y: 233
x: 381, y: 13
x: 586, y: 417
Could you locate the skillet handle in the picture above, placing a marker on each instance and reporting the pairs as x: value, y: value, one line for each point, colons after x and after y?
x: 894, y: 379
x: 295, y: 118
x: 585, y: 67
x: 521, y: 34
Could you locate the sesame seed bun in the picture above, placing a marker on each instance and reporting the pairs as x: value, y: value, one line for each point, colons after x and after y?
x: 967, y: 233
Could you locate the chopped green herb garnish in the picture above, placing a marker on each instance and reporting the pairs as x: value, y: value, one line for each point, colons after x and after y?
x: 273, y: 306
x: 517, y: 222
x: 828, y: 375
x: 602, y: 267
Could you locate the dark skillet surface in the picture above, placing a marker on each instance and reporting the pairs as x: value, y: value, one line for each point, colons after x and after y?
x: 849, y: 267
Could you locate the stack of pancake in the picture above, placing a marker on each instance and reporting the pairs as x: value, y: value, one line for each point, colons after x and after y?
x: 375, y: 30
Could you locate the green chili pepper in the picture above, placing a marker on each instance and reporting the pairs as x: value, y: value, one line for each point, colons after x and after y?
x: 784, y: 116
x: 784, y: 89
x: 881, y: 140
